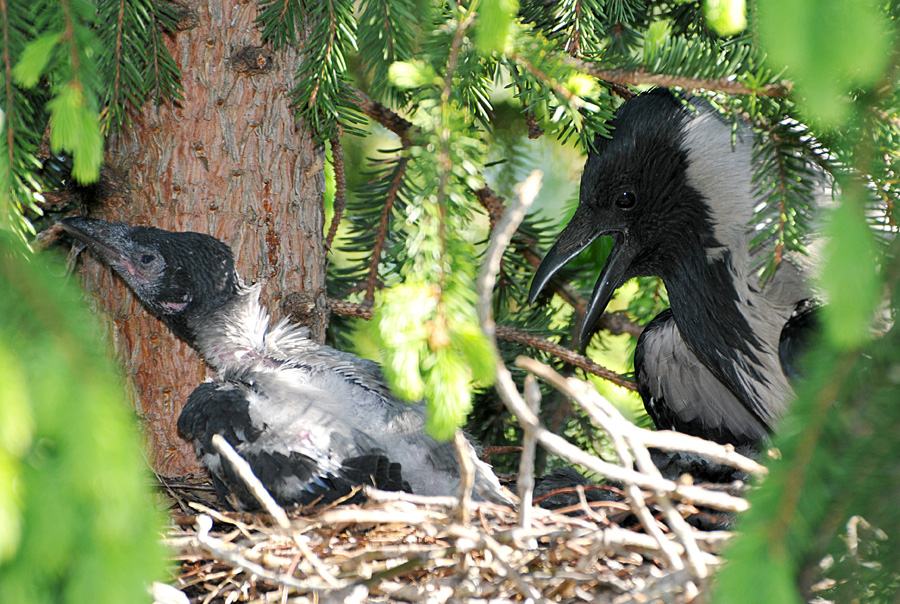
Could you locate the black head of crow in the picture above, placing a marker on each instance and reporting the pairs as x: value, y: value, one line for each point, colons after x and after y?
x: 179, y: 277
x: 674, y: 189
x: 313, y: 422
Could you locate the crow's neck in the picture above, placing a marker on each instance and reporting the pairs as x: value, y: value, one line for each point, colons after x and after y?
x: 235, y: 334
x: 728, y: 319
x: 734, y: 329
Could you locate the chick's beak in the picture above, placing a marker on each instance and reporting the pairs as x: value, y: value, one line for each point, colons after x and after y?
x: 108, y: 241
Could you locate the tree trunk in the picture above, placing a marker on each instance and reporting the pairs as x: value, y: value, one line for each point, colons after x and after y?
x: 231, y: 161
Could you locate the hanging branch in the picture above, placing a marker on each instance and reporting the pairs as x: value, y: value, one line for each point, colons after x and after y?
x: 340, y: 190
x: 384, y: 225
x: 382, y: 115
x: 508, y: 334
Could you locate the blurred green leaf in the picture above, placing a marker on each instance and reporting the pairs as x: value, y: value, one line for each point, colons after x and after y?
x: 16, y: 433
x: 850, y: 274
x: 34, y: 60
x: 468, y: 338
x: 829, y: 47
x: 447, y: 394
x: 398, y: 325
x: 89, y: 527
x: 76, y: 129
x: 495, y: 18
x: 726, y: 17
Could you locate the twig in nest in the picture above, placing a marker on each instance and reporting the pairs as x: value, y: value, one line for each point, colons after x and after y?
x: 230, y: 554
x: 526, y: 461
x: 626, y: 441
x: 268, y: 502
x: 253, y: 483
x: 665, y: 439
x: 466, y: 476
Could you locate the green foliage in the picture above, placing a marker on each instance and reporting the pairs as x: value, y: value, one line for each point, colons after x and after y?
x: 20, y: 133
x: 134, y: 74
x: 850, y: 274
x: 77, y: 68
x: 829, y: 48
x: 321, y: 94
x: 833, y: 444
x: 78, y: 523
x: 386, y: 30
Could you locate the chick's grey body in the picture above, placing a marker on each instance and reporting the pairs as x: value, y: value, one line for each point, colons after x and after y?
x: 313, y: 422
x: 674, y: 188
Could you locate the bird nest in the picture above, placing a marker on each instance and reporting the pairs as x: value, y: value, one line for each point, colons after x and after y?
x: 405, y: 548
x: 635, y: 546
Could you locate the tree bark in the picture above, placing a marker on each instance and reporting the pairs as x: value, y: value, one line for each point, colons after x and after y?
x: 230, y: 160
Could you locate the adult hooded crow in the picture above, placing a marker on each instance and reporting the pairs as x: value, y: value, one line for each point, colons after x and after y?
x: 674, y: 189
x: 313, y: 422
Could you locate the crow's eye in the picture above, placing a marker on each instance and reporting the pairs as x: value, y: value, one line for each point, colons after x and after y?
x: 147, y: 258
x: 626, y: 200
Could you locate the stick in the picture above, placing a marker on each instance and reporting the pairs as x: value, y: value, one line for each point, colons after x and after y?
x: 526, y: 461
x: 466, y: 476
x: 253, y: 483
x: 664, y: 439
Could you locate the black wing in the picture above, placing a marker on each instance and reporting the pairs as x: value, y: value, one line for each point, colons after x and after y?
x: 681, y: 394
x: 292, y: 474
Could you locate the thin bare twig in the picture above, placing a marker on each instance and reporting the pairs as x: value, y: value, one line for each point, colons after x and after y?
x: 526, y: 461
x: 466, y: 476
x: 253, y: 483
x: 664, y: 439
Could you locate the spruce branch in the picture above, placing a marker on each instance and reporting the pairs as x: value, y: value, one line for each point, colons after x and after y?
x: 508, y: 334
x: 382, y: 115
x: 279, y: 19
x: 640, y: 76
x: 117, y: 59
x: 569, y: 356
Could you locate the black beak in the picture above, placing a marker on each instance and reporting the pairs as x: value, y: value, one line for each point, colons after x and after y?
x: 108, y: 241
x: 577, y: 235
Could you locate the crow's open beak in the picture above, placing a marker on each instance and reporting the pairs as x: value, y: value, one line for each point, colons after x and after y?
x: 578, y: 234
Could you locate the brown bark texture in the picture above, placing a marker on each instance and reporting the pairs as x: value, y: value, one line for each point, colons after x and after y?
x: 231, y: 161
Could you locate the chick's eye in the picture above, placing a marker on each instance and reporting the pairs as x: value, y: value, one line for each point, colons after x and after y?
x: 626, y: 200
x: 147, y: 258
